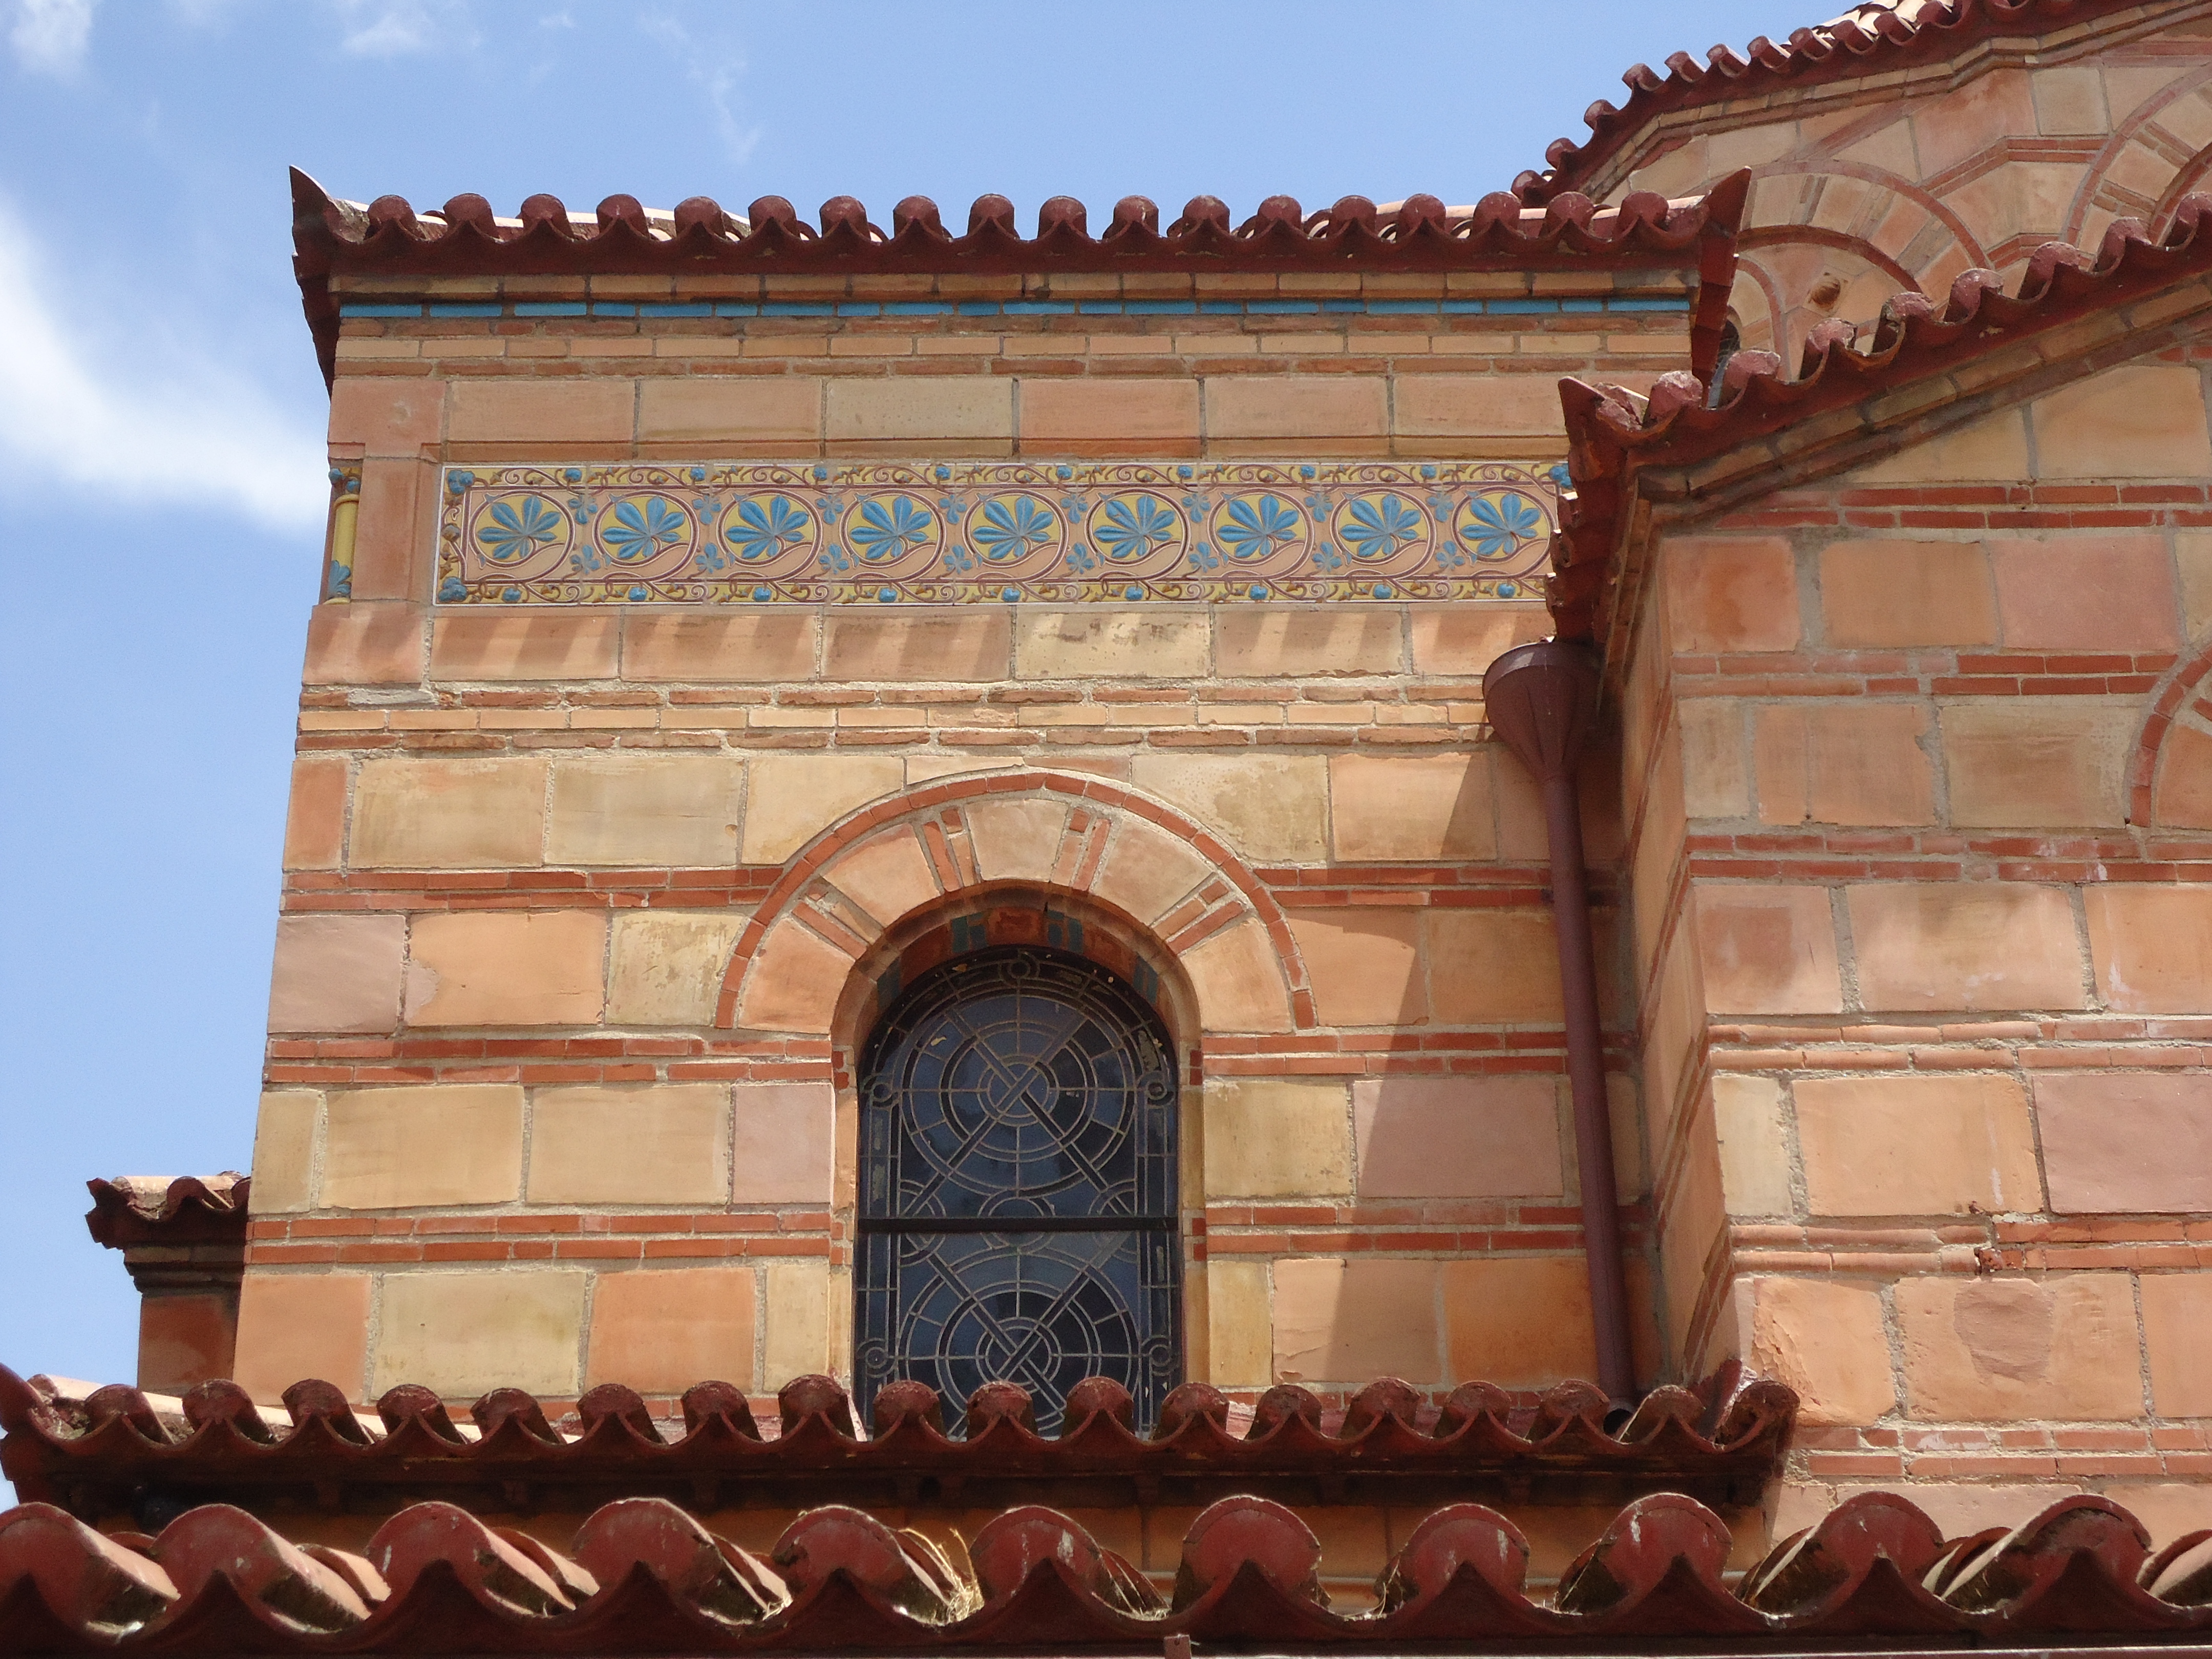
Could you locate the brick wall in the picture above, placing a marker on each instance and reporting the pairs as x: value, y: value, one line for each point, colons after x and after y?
x: 1927, y: 961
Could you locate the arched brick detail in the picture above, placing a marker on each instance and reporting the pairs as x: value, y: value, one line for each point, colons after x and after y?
x: 2100, y: 185
x: 1046, y: 832
x: 2177, y: 727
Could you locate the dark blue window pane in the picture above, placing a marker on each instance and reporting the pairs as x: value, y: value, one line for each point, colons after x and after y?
x: 1007, y: 1087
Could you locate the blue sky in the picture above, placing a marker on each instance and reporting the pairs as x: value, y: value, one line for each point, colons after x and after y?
x: 160, y: 468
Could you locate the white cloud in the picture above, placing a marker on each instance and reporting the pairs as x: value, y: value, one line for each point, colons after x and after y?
x: 394, y: 28
x: 181, y: 433
x: 51, y: 36
x: 715, y: 70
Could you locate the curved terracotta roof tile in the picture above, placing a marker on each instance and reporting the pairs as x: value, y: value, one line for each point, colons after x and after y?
x: 160, y: 1209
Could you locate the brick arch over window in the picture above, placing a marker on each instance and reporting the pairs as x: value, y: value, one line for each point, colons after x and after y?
x: 2170, y: 782
x: 1040, y: 832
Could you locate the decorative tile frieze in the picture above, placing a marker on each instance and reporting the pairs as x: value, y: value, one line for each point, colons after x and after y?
x: 953, y: 532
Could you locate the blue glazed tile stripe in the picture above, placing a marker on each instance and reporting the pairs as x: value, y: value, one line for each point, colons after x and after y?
x: 1430, y: 307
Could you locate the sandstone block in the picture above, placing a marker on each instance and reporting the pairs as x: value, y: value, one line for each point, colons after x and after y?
x: 509, y: 410
x: 1272, y: 807
x: 185, y: 1338
x: 2038, y: 762
x: 794, y: 798
x: 1302, y: 408
x: 1857, y: 764
x: 653, y: 810
x: 1974, y: 946
x: 419, y: 1147
x: 1753, y: 1145
x: 1430, y: 809
x: 293, y: 1326
x: 1466, y: 639
x: 1081, y: 645
x: 284, y: 1152
x: 1349, y: 1320
x: 364, y: 644
x: 2152, y: 946
x: 752, y: 409
x: 1121, y: 415
x: 1146, y: 870
x: 1767, y: 950
x: 1891, y: 595
x: 742, y: 648
x: 662, y: 1330
x: 507, y: 968
x: 1826, y: 1341
x: 1494, y: 968
x: 2138, y: 421
x: 1994, y: 447
x: 965, y: 644
x: 1278, y: 641
x: 2009, y: 1350
x: 1266, y: 1138
x: 797, y: 1340
x: 1016, y: 840
x: 465, y: 1333
x: 887, y: 875
x: 1240, y: 1333
x: 314, y: 819
x: 2177, y: 1311
x: 1239, y: 981
x: 662, y: 1143
x: 1458, y: 1137
x: 448, y: 814
x: 1364, y: 965
x: 786, y: 1142
x: 917, y: 408
x: 1898, y: 1145
x: 1730, y: 594
x: 2099, y: 593
x: 793, y: 982
x: 664, y: 967
x: 337, y: 973
x: 1519, y: 1321
x: 1472, y: 405
x: 2184, y: 780
x: 1715, y: 775
x: 526, y: 645
x: 389, y: 417
x: 2126, y: 1142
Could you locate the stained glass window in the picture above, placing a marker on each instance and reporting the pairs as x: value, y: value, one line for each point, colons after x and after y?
x: 1018, y: 1186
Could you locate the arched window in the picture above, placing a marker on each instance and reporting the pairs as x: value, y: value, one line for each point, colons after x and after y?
x: 1017, y: 1214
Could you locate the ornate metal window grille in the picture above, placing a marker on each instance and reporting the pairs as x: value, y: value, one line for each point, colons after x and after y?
x: 1018, y: 1186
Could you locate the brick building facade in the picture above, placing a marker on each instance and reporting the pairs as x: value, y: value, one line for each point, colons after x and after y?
x: 732, y: 622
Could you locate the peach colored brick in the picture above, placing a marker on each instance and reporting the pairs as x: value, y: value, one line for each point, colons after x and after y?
x: 1895, y: 594
x: 387, y: 416
x: 1715, y: 776
x: 1351, y: 1321
x: 364, y: 644
x: 1767, y: 950
x: 1731, y: 595
x: 466, y: 1334
x: 1753, y: 1145
x: 2177, y: 1311
x: 421, y: 1145
x: 1146, y: 869
x: 785, y: 1141
x: 1519, y: 1322
x: 1266, y: 1138
x: 648, y: 808
x: 1993, y: 447
x: 2151, y: 946
x: 1111, y: 645
x: 1454, y: 405
x: 1971, y: 947
x: 797, y: 1340
x: 1492, y: 967
x: 2038, y: 762
x: 186, y: 1337
x: 1306, y: 408
x: 1238, y: 978
x: 284, y: 1151
x: 791, y: 799
x: 394, y: 531
x: 1854, y: 763
x: 972, y: 643
x: 660, y: 1331
x: 2101, y: 593
x: 2184, y: 780
x: 1239, y: 1325
x: 662, y: 1143
x: 2139, y: 421
x: 526, y: 645
x: 314, y: 819
x: 1364, y: 965
x: 1427, y: 808
x: 1892, y: 1144
x: 419, y: 814
x: 296, y: 1325
x: 508, y: 411
x: 930, y: 409
x: 793, y: 982
x: 1266, y: 806
x: 1122, y: 413
x: 1016, y: 840
x: 2192, y: 562
x: 887, y: 875
x: 664, y: 967
x: 777, y: 646
x: 1466, y: 639
x: 2126, y: 1142
x: 752, y: 408
x: 507, y: 968
x: 1456, y: 1137
x: 337, y: 973
x: 2009, y: 1350
x: 1826, y: 1341
x: 1270, y: 642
